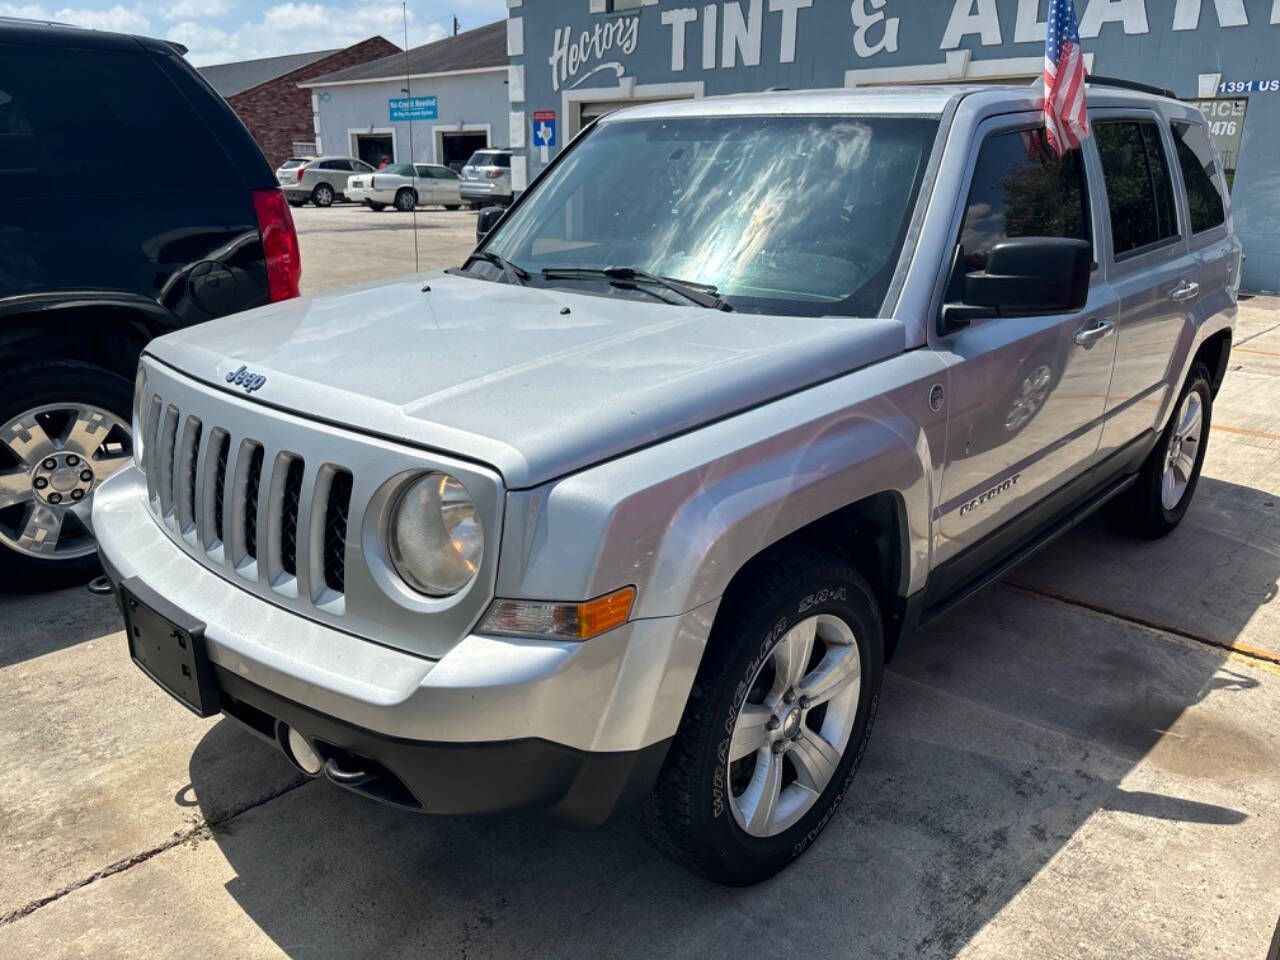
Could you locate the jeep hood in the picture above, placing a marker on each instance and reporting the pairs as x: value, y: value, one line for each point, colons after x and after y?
x: 535, y: 382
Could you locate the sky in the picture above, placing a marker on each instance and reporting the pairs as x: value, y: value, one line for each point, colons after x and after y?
x: 219, y: 31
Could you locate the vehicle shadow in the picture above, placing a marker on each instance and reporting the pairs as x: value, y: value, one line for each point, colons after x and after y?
x: 1001, y: 732
x: 34, y: 622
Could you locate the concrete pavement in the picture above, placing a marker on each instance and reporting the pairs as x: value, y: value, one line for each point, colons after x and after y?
x: 1082, y: 762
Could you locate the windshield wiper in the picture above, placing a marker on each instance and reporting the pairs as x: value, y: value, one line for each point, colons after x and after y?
x: 498, y: 260
x: 704, y: 295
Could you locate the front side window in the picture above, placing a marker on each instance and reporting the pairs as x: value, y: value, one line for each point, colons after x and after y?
x: 1200, y: 175
x: 1021, y: 189
x: 795, y: 215
x: 1139, y: 189
x: 361, y: 167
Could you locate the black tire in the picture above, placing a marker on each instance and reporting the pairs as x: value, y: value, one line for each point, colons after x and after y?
x: 296, y: 203
x: 28, y: 388
x: 322, y: 195
x: 1140, y: 510
x: 406, y: 200
x: 688, y: 815
x: 452, y: 206
x: 375, y: 206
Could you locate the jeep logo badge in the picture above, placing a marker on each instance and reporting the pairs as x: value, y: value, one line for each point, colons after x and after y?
x: 243, y: 378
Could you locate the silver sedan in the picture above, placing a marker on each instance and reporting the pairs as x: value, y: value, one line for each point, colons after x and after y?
x: 405, y: 186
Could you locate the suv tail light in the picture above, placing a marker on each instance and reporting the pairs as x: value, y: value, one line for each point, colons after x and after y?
x: 279, y: 244
x: 301, y: 170
x: 495, y: 173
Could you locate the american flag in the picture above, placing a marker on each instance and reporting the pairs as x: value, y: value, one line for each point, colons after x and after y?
x: 1065, y: 118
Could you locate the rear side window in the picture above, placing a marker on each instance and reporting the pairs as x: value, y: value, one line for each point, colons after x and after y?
x: 86, y: 122
x: 1139, y: 188
x: 491, y: 160
x: 1021, y: 189
x: 1200, y: 174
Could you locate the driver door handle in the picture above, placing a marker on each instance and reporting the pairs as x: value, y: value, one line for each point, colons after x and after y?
x: 1185, y: 290
x: 1093, y: 331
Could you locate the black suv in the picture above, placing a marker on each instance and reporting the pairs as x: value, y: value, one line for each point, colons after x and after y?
x: 132, y: 202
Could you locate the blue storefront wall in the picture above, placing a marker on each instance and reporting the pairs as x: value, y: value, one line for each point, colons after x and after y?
x: 568, y: 54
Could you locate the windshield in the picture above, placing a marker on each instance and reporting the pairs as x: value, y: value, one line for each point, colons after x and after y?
x: 785, y: 215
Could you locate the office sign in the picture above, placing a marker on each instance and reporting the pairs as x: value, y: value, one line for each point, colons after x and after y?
x: 412, y: 108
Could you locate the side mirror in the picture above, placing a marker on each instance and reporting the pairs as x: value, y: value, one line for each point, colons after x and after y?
x: 487, y: 220
x: 1023, y: 275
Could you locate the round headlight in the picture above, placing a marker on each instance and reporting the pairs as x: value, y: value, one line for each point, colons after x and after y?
x: 435, y: 538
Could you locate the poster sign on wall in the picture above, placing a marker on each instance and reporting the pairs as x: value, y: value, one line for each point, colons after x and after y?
x: 544, y: 128
x: 1226, y: 127
x: 412, y: 108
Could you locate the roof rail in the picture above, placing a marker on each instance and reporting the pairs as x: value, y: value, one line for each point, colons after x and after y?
x: 1131, y: 85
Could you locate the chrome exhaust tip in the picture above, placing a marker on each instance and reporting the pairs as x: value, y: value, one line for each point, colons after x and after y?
x: 302, y: 754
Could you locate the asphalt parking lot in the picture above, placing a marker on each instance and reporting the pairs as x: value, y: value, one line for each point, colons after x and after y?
x: 348, y: 243
x: 1083, y: 761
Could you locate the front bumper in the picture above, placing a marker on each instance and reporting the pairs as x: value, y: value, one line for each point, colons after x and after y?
x: 575, y: 730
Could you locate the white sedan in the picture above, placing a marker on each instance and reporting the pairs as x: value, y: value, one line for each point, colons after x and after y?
x: 405, y: 186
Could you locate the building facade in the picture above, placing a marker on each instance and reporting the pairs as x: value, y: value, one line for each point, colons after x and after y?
x: 572, y: 60
x: 439, y: 104
x: 265, y: 93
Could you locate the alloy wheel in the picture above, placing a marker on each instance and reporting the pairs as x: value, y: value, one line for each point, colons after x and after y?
x: 52, y: 458
x: 794, y: 725
x: 1182, y: 451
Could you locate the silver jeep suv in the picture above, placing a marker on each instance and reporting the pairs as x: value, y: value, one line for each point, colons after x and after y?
x: 633, y: 507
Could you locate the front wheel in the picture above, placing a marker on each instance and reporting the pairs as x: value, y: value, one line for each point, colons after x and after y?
x: 1159, y: 498
x: 64, y: 428
x: 777, y: 720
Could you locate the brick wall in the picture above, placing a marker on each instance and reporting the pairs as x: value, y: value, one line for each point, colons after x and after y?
x: 277, y: 113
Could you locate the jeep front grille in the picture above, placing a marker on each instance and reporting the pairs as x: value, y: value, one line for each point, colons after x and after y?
x: 240, y: 505
x: 293, y: 511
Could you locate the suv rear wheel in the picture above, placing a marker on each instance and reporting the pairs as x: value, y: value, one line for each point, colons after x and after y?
x: 1159, y: 498
x: 64, y: 428
x: 777, y: 720
x: 322, y: 195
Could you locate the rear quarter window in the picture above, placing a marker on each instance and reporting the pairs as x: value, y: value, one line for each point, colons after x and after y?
x: 90, y: 122
x: 1200, y: 175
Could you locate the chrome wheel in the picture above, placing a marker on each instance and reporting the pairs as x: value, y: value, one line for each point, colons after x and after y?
x: 323, y: 195
x: 51, y: 459
x: 794, y: 725
x: 1032, y: 393
x: 1182, y: 451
